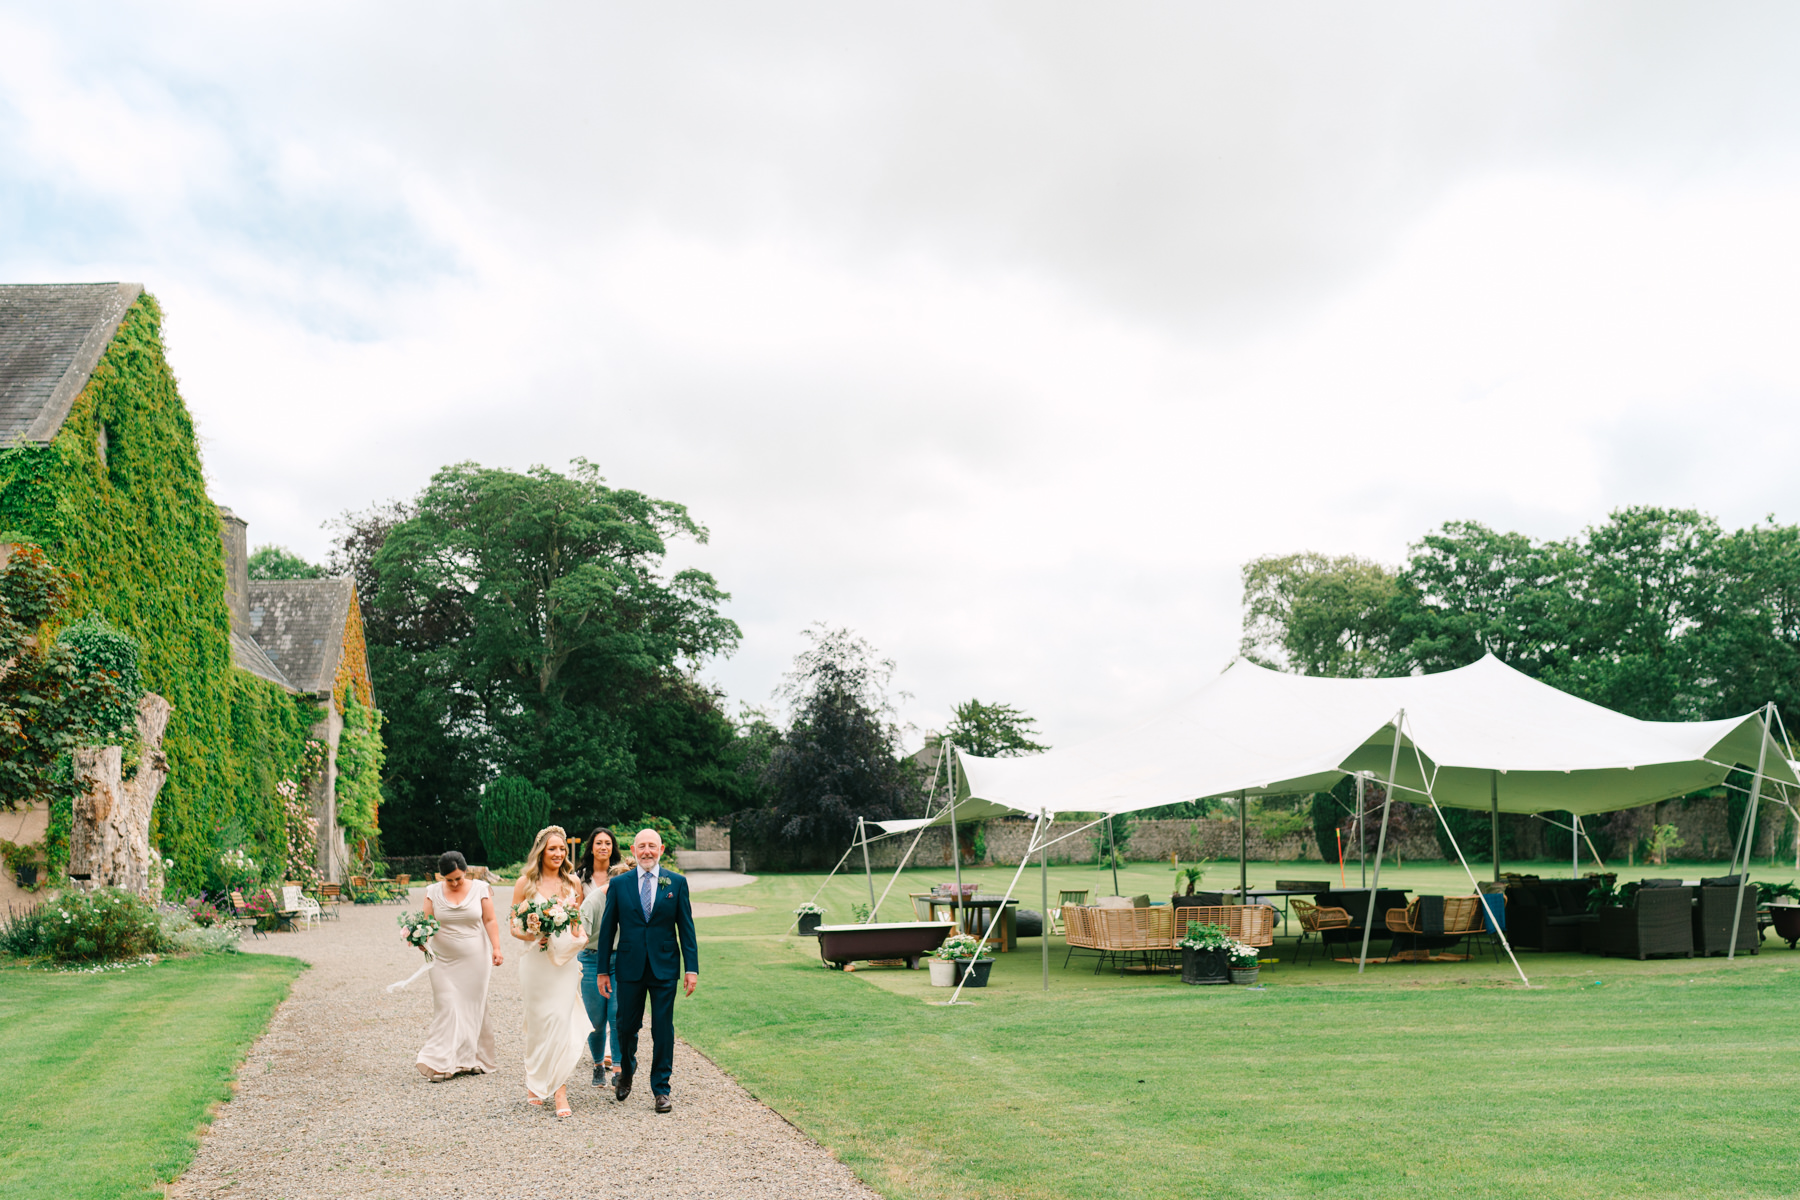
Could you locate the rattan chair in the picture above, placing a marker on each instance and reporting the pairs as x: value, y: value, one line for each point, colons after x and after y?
x: 330, y: 896
x: 1315, y: 919
x: 1462, y: 918
x: 1251, y: 924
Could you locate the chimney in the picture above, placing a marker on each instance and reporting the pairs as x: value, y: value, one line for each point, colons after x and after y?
x: 235, y: 533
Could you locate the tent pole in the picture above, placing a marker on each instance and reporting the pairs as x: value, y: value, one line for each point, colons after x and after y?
x: 955, y: 848
x: 1574, y: 844
x: 1362, y: 859
x: 1762, y: 756
x: 821, y: 889
x: 1487, y: 913
x: 1044, y: 889
x: 1243, y: 848
x: 868, y: 872
x: 1387, y: 803
x: 917, y: 837
x: 1000, y: 913
x: 1494, y: 819
x: 1112, y: 850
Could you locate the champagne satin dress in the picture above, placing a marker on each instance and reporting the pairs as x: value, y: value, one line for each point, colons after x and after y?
x: 461, y: 1037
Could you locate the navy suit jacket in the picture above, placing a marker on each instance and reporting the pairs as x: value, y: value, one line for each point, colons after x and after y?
x: 648, y: 947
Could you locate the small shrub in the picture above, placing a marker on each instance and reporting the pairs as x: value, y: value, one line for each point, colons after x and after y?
x: 84, y: 926
x: 182, y: 932
x: 23, y: 934
x: 202, y: 912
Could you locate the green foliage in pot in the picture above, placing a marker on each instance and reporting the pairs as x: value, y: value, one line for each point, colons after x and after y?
x: 1207, y: 937
x: 1768, y: 893
x: 958, y: 946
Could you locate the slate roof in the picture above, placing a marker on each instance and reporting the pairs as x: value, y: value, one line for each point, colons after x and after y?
x: 51, y: 337
x: 299, y: 625
x: 250, y: 657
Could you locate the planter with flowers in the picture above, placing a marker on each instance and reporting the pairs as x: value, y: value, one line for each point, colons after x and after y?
x: 811, y: 915
x: 1243, y: 963
x: 955, y: 959
x: 1206, y: 955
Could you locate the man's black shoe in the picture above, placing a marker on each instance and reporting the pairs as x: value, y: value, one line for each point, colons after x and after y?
x: 599, y: 1075
x: 621, y: 1086
x: 664, y: 1104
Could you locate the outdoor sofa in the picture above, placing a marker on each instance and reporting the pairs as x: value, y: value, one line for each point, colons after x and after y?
x: 1715, y: 904
x: 1661, y: 921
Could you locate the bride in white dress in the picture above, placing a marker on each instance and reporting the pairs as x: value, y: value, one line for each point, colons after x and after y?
x: 556, y: 1024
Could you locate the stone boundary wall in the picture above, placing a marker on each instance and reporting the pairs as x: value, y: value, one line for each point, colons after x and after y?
x: 1703, y: 826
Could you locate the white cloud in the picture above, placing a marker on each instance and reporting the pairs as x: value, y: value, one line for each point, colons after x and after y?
x: 1003, y: 334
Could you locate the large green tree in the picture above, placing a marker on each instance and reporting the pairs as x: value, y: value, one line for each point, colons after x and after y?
x: 1315, y: 614
x: 838, y: 759
x: 529, y: 617
x: 993, y: 731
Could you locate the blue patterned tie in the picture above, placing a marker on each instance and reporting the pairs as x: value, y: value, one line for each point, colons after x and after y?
x: 649, y: 895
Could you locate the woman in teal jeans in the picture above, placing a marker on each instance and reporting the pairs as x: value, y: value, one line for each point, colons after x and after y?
x: 603, y: 861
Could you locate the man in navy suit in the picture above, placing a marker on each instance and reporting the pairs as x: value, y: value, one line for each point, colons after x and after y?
x: 649, y: 910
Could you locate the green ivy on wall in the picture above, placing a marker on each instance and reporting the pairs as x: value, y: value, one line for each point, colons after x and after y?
x: 135, y: 527
x: 359, y: 763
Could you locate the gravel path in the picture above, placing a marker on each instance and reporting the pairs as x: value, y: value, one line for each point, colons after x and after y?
x: 329, y: 1104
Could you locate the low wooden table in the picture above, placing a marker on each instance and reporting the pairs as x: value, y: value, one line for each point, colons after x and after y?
x: 977, y: 914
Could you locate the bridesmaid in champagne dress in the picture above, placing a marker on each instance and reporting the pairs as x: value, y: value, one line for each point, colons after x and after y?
x: 464, y: 951
x: 556, y: 1024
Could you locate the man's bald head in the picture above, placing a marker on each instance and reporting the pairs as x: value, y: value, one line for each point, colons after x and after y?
x: 647, y: 848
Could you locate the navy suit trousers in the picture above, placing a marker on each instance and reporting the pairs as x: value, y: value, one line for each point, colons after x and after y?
x: 660, y: 993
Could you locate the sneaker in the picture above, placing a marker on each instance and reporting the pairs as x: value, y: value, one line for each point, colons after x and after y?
x: 599, y: 1075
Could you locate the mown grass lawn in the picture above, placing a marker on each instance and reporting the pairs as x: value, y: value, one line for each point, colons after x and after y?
x: 108, y: 1078
x: 1610, y: 1078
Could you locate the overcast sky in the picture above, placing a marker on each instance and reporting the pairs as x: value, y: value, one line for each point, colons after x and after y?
x: 1002, y: 334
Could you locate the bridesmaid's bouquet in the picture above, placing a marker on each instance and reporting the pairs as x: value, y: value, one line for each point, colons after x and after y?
x: 544, y: 918
x: 420, y: 928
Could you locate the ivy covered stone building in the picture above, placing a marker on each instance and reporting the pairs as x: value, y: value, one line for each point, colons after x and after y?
x: 99, y: 465
x: 306, y: 636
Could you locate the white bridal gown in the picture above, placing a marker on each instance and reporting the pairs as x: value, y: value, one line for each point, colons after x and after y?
x: 461, y: 1037
x: 556, y: 1024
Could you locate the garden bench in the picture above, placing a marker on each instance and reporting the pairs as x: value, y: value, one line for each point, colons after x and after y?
x: 242, y: 917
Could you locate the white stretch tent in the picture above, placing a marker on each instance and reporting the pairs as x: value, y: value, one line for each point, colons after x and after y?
x: 1475, y: 729
x: 1484, y: 736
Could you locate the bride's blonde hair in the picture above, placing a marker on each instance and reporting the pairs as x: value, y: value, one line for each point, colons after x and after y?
x: 534, y: 864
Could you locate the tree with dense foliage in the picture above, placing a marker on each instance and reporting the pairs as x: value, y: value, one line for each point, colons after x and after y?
x: 511, y: 813
x: 523, y: 626
x: 993, y: 731
x: 278, y: 562
x: 839, y: 758
x: 1657, y: 613
x: 1318, y: 615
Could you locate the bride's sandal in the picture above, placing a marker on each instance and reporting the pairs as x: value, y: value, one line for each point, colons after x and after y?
x: 562, y: 1106
x: 531, y: 1099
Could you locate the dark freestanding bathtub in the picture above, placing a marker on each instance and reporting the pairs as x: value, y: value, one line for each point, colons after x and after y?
x: 911, y: 940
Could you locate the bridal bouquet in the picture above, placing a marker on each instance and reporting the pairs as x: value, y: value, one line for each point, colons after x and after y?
x: 541, y: 917
x: 420, y: 928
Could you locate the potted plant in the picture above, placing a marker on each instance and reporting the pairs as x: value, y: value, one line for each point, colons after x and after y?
x: 1206, y: 955
x: 960, y: 949
x: 1193, y: 875
x: 1243, y: 963
x: 811, y: 916
x: 946, y: 960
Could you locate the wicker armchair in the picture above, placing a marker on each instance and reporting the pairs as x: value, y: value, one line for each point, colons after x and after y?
x: 1712, y: 921
x: 1316, y: 919
x: 1462, y: 918
x: 1662, y: 923
x: 1119, y: 934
